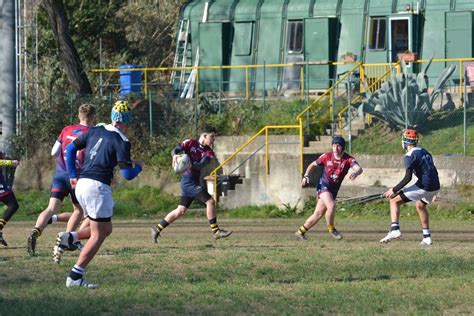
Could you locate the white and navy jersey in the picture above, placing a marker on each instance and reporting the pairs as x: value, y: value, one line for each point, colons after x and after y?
x: 105, y: 147
x: 421, y: 162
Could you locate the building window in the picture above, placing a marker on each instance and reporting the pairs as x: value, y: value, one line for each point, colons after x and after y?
x: 243, y: 33
x: 295, y: 36
x: 377, y: 33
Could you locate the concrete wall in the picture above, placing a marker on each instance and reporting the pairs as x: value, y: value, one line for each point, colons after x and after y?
x: 282, y: 185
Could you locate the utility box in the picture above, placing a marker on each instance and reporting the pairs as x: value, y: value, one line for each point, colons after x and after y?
x: 130, y: 80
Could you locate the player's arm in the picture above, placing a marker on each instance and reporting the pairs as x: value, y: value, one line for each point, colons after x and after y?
x: 175, y: 153
x: 396, y: 189
x: 56, y: 149
x: 128, y: 171
x: 356, y: 170
x: 309, y: 170
x: 126, y: 165
x: 199, y: 165
x: 71, y: 152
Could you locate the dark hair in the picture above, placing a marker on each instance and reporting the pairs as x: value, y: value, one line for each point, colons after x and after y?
x: 339, y: 140
x: 208, y: 129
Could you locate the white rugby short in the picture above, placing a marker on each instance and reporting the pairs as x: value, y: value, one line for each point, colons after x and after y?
x: 414, y: 193
x: 95, y: 198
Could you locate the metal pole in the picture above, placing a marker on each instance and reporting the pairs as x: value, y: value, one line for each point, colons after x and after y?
x: 150, y: 112
x: 465, y: 121
x: 220, y: 89
x: 406, y: 101
x: 101, y: 65
x: 307, y: 83
x: 349, y: 113
x: 264, y: 88
x: 267, y: 166
x: 331, y: 97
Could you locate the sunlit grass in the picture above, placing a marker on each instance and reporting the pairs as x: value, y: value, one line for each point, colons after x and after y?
x: 261, y: 269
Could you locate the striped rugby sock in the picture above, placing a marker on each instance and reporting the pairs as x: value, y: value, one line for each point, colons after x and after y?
x: 214, y: 227
x: 303, y: 230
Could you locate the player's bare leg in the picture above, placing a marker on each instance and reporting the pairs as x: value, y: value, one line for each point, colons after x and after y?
x: 99, y: 231
x: 217, y: 232
x: 312, y: 220
x: 425, y: 223
x: 75, y: 218
x: 41, y: 222
x: 394, y: 232
x: 169, y: 218
x: 330, y: 214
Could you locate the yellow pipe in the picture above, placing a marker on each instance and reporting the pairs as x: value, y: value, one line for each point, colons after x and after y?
x: 269, y: 65
x: 301, y: 146
x: 267, y: 167
x: 215, y: 188
x: 362, y: 78
x: 327, y: 91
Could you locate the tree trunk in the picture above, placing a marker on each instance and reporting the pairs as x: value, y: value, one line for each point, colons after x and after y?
x: 67, y: 51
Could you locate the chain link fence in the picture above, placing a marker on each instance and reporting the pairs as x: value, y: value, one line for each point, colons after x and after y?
x: 161, y: 116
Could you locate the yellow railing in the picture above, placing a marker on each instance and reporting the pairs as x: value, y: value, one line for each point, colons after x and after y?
x: 371, y: 88
x: 328, y: 91
x: 461, y: 71
x: 197, y: 69
x: 265, y: 130
x: 366, y: 71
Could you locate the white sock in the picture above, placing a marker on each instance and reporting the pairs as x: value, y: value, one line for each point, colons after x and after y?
x: 54, y: 219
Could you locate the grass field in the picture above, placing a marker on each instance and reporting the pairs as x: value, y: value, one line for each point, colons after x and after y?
x: 261, y: 269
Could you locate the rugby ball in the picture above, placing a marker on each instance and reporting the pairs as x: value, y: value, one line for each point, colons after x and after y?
x: 182, y: 163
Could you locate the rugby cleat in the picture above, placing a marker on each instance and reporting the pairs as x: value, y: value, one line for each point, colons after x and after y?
x: 393, y: 234
x: 76, y: 246
x: 301, y: 236
x: 221, y: 233
x: 336, y: 234
x: 3, y: 241
x: 62, y: 244
x: 31, y: 243
x: 80, y: 283
x: 426, y: 241
x: 155, y: 234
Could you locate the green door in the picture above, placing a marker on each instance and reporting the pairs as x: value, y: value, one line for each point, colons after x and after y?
x: 214, y: 50
x: 319, y: 39
x: 458, y: 34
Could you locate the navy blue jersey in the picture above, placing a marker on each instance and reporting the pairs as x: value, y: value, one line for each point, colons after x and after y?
x: 421, y: 162
x: 106, y: 146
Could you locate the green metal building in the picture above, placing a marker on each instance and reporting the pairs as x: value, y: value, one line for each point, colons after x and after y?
x: 314, y: 32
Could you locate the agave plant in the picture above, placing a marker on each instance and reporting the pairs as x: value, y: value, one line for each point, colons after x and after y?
x: 391, y: 103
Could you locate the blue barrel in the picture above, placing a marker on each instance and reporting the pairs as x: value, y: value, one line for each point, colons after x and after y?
x: 130, y: 81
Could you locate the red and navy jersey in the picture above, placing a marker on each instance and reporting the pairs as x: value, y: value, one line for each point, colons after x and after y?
x: 67, y: 136
x: 421, y: 162
x: 196, y: 152
x: 334, y: 169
